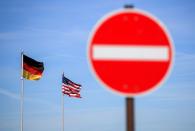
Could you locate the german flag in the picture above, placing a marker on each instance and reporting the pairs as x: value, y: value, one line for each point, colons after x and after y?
x: 32, y: 69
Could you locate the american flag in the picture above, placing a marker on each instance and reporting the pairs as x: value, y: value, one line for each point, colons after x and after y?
x: 70, y: 88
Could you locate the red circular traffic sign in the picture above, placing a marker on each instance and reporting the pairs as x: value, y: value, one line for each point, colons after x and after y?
x: 130, y: 52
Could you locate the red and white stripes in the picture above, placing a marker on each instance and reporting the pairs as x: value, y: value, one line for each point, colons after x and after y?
x: 71, y: 89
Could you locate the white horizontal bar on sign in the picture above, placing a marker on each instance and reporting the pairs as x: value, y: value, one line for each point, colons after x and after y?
x: 135, y: 53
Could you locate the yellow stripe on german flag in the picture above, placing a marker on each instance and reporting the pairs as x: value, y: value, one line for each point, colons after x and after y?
x: 29, y: 76
x: 32, y: 69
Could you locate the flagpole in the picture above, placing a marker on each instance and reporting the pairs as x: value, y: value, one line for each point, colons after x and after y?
x: 62, y: 112
x: 21, y: 94
x: 62, y: 108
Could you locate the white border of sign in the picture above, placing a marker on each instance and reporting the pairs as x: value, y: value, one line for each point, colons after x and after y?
x: 111, y: 14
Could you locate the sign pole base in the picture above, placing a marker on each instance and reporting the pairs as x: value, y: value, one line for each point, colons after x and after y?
x: 130, y: 114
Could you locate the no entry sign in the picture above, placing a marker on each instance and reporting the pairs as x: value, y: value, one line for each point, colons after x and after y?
x: 130, y: 52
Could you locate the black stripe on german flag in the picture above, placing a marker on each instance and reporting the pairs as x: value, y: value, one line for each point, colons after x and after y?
x: 32, y: 69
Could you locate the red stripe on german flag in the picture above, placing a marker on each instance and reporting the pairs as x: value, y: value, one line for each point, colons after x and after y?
x: 32, y: 69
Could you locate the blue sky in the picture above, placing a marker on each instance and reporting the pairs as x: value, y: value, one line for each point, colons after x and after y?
x: 57, y: 32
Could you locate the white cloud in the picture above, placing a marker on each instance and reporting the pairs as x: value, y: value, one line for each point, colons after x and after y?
x: 31, y: 100
x: 9, y: 94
